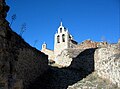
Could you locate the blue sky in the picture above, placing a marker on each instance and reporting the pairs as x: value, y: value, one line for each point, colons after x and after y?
x: 85, y: 19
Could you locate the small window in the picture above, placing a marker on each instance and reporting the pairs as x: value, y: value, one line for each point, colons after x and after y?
x: 69, y: 37
x: 58, y: 39
x: 60, y: 30
x: 63, y: 37
x: 44, y: 46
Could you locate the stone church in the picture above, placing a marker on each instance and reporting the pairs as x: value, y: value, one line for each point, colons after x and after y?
x: 62, y: 40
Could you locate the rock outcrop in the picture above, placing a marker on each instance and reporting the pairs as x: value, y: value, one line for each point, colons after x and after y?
x: 20, y: 64
x: 66, y: 56
x: 107, y: 63
x: 77, y: 59
x: 93, y: 81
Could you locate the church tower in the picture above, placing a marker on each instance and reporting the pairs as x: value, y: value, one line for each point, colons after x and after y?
x: 61, y: 40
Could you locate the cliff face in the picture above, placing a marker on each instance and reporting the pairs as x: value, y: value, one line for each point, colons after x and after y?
x: 20, y: 64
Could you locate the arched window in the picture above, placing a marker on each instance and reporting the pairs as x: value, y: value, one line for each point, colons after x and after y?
x: 60, y: 30
x: 63, y: 37
x: 58, y: 39
x: 44, y: 46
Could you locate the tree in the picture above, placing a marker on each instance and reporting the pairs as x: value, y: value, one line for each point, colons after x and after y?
x: 23, y: 28
x: 13, y: 17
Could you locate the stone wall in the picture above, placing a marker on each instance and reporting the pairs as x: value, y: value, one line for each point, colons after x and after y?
x: 87, y: 44
x: 104, y: 60
x: 48, y: 52
x: 72, y: 44
x: 71, y: 54
x: 63, y: 59
x: 18, y: 59
x: 77, y: 59
x: 107, y: 63
x: 66, y: 56
x: 20, y: 64
x: 84, y: 60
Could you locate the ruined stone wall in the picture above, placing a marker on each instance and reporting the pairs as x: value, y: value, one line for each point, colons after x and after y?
x: 20, y: 64
x: 107, y: 63
x: 63, y: 59
x: 77, y: 59
x: 48, y: 52
x: 71, y: 54
x: 19, y: 60
x: 84, y: 60
x: 66, y: 56
x: 87, y: 44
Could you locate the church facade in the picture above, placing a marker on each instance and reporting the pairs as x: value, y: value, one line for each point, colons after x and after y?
x: 62, y: 40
